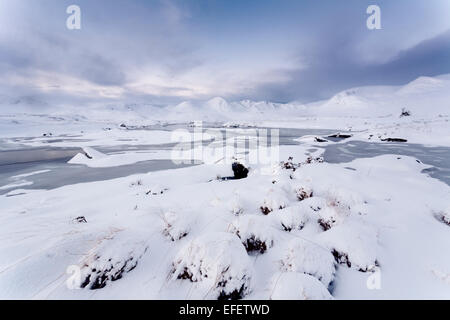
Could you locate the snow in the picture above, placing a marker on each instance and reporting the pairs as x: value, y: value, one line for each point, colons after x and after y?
x: 310, y: 258
x: 20, y: 183
x: 29, y: 174
x: 300, y: 229
x: 95, y: 159
x: 298, y: 286
x: 218, y: 259
x: 165, y: 233
x: 254, y: 232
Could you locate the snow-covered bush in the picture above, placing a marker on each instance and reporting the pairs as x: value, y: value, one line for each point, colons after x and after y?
x: 326, y: 214
x: 307, y: 257
x: 313, y: 204
x: 235, y: 205
x: 255, y: 233
x: 290, y: 164
x: 275, y: 200
x: 111, y: 261
x: 219, y: 258
x: 353, y: 244
x: 175, y: 227
x: 331, y: 208
x: 291, y: 218
x: 297, y: 286
x: 328, y: 217
x: 444, y: 216
x: 303, y: 193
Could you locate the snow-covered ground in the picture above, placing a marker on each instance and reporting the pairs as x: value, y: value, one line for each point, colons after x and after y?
x: 295, y: 228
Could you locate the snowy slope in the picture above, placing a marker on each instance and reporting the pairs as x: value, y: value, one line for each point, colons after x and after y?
x: 182, y: 234
x: 375, y: 228
x: 425, y: 97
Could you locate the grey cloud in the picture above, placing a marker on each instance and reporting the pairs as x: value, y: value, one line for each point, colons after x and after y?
x: 99, y: 70
x: 55, y: 54
x: 336, y: 68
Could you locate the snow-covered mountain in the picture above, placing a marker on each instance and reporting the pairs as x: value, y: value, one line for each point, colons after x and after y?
x: 296, y: 228
x: 424, y: 97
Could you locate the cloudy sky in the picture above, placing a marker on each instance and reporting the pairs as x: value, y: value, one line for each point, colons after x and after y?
x: 164, y: 51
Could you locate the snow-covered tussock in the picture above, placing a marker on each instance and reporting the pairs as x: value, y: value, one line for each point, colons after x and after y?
x: 297, y: 286
x: 444, y: 216
x: 291, y: 218
x: 110, y: 261
x: 254, y: 231
x: 235, y: 205
x: 175, y: 227
x: 307, y: 257
x: 354, y: 244
x: 218, y: 258
x: 303, y: 193
x: 334, y: 205
x: 274, y: 200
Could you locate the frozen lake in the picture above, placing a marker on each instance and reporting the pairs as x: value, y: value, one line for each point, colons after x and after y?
x: 47, y: 168
x: 438, y: 157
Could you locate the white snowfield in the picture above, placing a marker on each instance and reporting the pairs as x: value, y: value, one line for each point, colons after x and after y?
x: 372, y: 228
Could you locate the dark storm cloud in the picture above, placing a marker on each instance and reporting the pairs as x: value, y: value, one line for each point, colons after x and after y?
x: 335, y: 68
x: 428, y: 58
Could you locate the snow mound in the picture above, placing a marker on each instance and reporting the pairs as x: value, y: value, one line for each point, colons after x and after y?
x: 236, y: 205
x: 111, y: 260
x: 175, y: 227
x: 307, y: 257
x: 219, y: 259
x: 444, y: 216
x: 422, y: 85
x: 274, y: 200
x: 291, y: 218
x: 353, y: 244
x: 255, y: 233
x: 298, y: 286
x: 87, y: 156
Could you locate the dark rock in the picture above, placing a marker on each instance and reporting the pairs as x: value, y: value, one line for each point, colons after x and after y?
x: 405, y: 113
x: 317, y: 139
x: 394, y: 140
x: 87, y: 155
x: 81, y: 219
x: 340, y: 136
x: 266, y: 210
x: 240, y: 172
